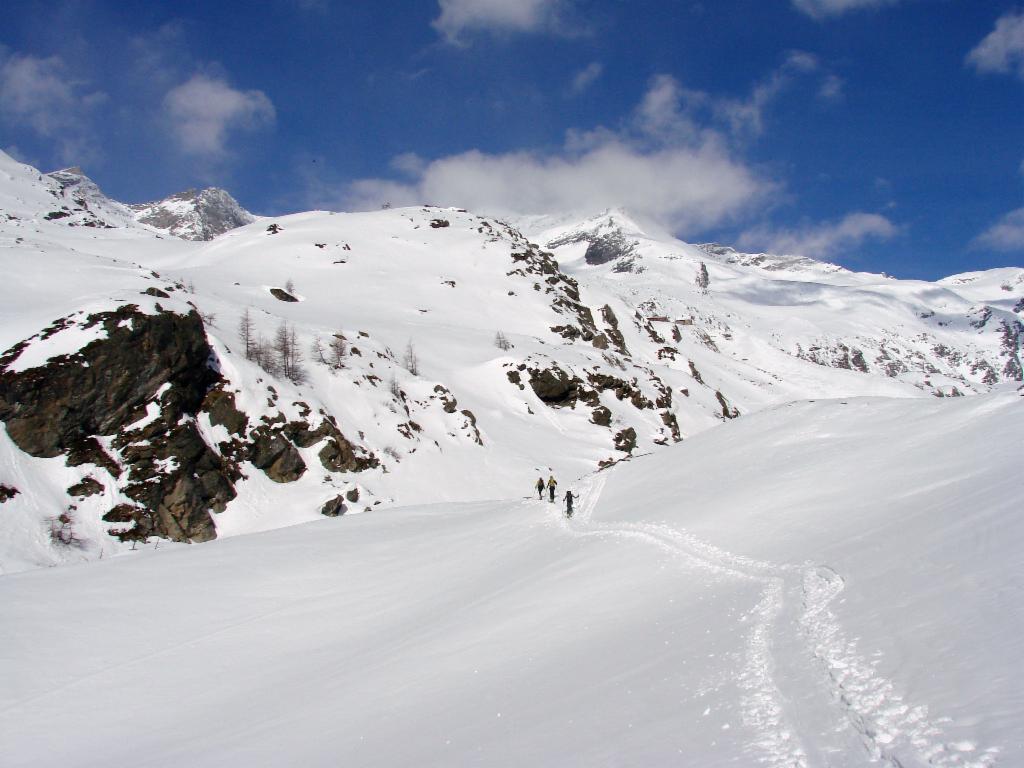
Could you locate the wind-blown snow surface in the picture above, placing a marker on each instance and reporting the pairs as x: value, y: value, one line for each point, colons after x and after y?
x: 834, y: 583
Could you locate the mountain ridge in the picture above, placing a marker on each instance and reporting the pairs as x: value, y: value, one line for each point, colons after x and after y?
x: 446, y: 355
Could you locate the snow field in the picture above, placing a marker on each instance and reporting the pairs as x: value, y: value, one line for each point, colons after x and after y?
x: 681, y: 617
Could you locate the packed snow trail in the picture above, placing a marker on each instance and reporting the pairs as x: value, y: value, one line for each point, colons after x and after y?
x: 889, y: 730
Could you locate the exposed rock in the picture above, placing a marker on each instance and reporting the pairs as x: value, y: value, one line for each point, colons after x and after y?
x: 625, y: 440
x: 273, y: 453
x: 728, y: 411
x: 281, y: 294
x: 194, y: 214
x: 695, y: 373
x: 448, y: 399
x: 439, y: 223
x: 7, y: 492
x: 670, y: 421
x: 89, y: 486
x: 614, y: 334
x: 220, y: 405
x: 605, y: 248
x: 553, y: 386
x: 471, y: 425
x: 156, y: 292
x: 339, y: 455
x: 352, y: 495
x: 601, y: 416
x: 103, y: 389
x: 334, y: 508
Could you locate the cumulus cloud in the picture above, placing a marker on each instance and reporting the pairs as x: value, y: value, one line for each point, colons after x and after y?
x: 204, y: 110
x: 460, y: 17
x: 1002, y: 50
x: 821, y: 9
x: 38, y: 93
x: 658, y: 164
x: 820, y: 241
x: 586, y: 77
x: 1007, y: 234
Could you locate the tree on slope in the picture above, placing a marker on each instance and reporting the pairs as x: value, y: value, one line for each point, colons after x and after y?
x: 703, y: 280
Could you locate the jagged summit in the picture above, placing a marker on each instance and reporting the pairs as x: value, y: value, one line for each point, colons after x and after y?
x: 194, y: 214
x: 83, y: 203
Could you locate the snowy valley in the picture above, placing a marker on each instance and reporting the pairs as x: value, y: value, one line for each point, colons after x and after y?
x: 285, y: 465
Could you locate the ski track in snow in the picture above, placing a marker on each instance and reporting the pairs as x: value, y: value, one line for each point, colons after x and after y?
x: 893, y: 731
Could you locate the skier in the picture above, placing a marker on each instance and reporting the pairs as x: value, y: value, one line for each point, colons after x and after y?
x: 551, y: 487
x: 568, y: 503
x: 540, y: 489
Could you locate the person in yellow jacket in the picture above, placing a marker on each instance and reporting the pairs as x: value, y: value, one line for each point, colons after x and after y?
x: 540, y: 488
x: 551, y: 488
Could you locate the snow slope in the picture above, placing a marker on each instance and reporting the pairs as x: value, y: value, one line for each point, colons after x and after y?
x: 825, y: 611
x: 650, y: 358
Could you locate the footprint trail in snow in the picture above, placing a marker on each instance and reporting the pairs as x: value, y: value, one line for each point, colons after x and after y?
x: 872, y: 723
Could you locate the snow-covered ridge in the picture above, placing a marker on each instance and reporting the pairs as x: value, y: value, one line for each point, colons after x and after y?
x: 456, y: 350
x: 194, y: 214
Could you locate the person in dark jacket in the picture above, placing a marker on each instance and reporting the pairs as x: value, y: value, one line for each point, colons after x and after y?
x: 540, y: 488
x: 569, y: 498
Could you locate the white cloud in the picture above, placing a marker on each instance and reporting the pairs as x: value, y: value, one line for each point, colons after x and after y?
x: 39, y: 94
x: 670, y: 109
x: 204, y: 110
x: 820, y: 9
x: 820, y: 241
x: 659, y: 165
x: 1002, y: 50
x: 586, y: 77
x: 459, y: 17
x: 1007, y: 234
x: 747, y: 116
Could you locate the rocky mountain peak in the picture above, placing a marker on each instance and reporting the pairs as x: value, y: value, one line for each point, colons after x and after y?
x: 194, y: 214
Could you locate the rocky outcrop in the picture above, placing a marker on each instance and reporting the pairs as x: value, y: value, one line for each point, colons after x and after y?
x: 140, y: 386
x: 554, y: 386
x: 334, y: 507
x: 194, y: 214
x: 7, y: 492
x: 271, y: 452
x: 282, y: 295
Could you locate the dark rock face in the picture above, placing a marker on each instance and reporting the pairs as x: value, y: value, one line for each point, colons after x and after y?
x: 105, y: 386
x: 728, y: 411
x: 276, y: 456
x: 625, y: 440
x: 88, y: 487
x: 102, y: 390
x: 220, y: 405
x: 282, y: 295
x: 610, y: 247
x: 334, y: 508
x: 553, y: 386
x: 7, y: 493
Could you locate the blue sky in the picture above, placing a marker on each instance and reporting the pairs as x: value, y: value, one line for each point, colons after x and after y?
x: 885, y: 135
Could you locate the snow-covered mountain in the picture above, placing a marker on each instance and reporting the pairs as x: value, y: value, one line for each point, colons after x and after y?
x: 196, y: 214
x: 792, y: 546
x: 446, y: 356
